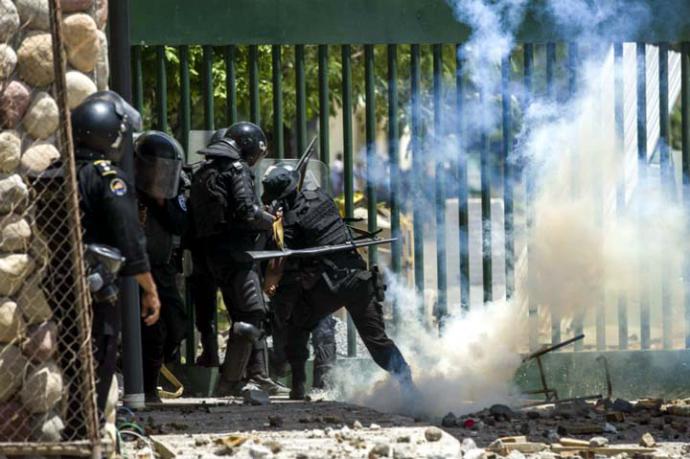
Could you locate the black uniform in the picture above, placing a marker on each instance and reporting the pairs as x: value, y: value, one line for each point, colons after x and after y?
x: 313, y: 288
x: 161, y: 340
x: 228, y: 220
x: 109, y: 210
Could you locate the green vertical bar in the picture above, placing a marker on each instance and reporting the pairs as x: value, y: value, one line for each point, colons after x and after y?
x: 230, y: 85
x: 161, y: 90
x: 278, y: 142
x: 619, y: 114
x: 324, y: 107
x: 463, y: 192
x: 138, y: 79
x: 301, y: 103
x: 185, y: 101
x: 440, y: 192
x: 642, y: 175
x: 253, y: 66
x: 370, y: 134
x: 533, y: 312
x: 208, y: 87
x: 418, y: 171
x: 666, y: 178
x: 347, y: 157
x: 394, y: 161
x: 508, y: 212
x: 485, y: 176
x: 685, y: 128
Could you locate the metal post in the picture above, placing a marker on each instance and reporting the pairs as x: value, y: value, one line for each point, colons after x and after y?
x: 277, y: 68
x: 463, y: 193
x: 121, y: 82
x: 685, y: 110
x: 642, y: 177
x: 208, y: 88
x: 301, y: 103
x: 230, y: 85
x: 347, y: 157
x: 324, y: 108
x: 138, y: 96
x: 253, y: 65
x: 418, y: 171
x: 161, y: 90
x: 370, y: 128
x: 507, y: 137
x: 440, y: 191
x: 394, y: 175
x: 622, y: 305
x: 185, y: 98
x: 667, y: 187
x: 485, y: 175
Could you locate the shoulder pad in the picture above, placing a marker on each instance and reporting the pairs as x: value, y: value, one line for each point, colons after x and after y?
x: 104, y: 168
x: 237, y: 165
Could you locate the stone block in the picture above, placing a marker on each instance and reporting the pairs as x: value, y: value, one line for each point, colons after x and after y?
x: 8, y: 61
x: 38, y: 157
x: 103, y: 63
x: 47, y: 427
x: 34, y: 14
x: 15, y: 234
x: 33, y: 302
x: 9, y: 20
x: 41, y: 344
x: 35, y: 60
x: 14, y: 269
x: 42, y: 118
x: 79, y: 86
x: 10, y: 150
x: 81, y: 41
x: 13, y: 193
x: 15, y: 97
x: 75, y: 6
x: 42, y: 388
x: 101, y: 13
x: 12, y: 325
x: 12, y: 366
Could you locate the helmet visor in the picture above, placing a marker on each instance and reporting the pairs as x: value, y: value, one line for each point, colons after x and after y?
x: 157, y: 177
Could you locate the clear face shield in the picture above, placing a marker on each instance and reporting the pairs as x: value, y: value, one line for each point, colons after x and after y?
x: 157, y: 177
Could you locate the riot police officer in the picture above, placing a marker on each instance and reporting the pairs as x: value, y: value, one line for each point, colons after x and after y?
x: 313, y: 288
x: 229, y: 220
x: 109, y: 209
x: 204, y: 291
x: 163, y: 214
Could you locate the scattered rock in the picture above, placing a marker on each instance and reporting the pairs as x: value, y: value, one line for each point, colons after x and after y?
x: 42, y: 388
x: 474, y: 454
x: 380, y: 450
x: 257, y: 451
x: 8, y: 61
x: 11, y: 321
x: 38, y: 157
x: 649, y: 404
x: 15, y: 97
x: 433, y: 434
x: 42, y: 118
x: 610, y: 428
x: 201, y: 441
x: 35, y: 60
x: 623, y: 406
x: 255, y: 397
x: 81, y: 41
x: 496, y: 446
x: 679, y: 410
x: 615, y: 416
x: 9, y: 20
x: 274, y: 446
x: 15, y: 234
x: 647, y: 441
x: 34, y: 13
x: 468, y: 444
x: 48, y: 427
x: 275, y: 421
x: 79, y: 87
x: 14, y: 268
x: 449, y: 420
x: 74, y: 6
x: 330, y: 419
x: 357, y: 425
x: 598, y: 442
x: 403, y: 439
x: 13, y: 194
x: 10, y: 151
x: 12, y: 364
x: 501, y: 412
x: 374, y: 427
x: 515, y: 455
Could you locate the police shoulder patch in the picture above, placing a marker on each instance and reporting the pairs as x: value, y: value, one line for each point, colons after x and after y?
x: 237, y: 165
x: 104, y: 167
x: 118, y: 187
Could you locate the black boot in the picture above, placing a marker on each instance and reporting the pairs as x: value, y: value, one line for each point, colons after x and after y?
x: 209, y: 353
x: 299, y: 379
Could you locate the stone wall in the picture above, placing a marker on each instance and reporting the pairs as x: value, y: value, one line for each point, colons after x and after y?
x: 32, y: 385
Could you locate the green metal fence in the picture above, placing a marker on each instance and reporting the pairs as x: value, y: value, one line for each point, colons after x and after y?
x: 542, y: 66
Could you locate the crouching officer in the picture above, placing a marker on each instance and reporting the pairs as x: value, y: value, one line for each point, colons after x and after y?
x: 163, y: 214
x: 109, y: 216
x: 229, y: 220
x: 313, y: 288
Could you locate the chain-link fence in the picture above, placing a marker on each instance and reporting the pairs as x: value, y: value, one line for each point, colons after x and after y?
x: 47, y: 401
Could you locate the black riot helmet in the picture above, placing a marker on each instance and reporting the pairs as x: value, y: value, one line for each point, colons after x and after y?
x: 249, y: 139
x: 98, y: 129
x: 122, y: 106
x: 279, y: 182
x: 157, y: 164
x: 217, y: 136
